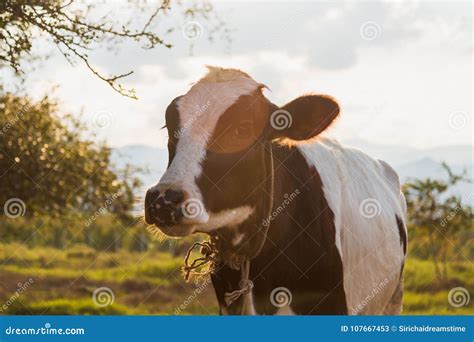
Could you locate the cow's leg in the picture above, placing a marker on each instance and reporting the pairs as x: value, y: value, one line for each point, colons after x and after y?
x: 394, y: 306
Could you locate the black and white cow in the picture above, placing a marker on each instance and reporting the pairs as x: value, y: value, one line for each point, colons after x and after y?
x: 336, y: 239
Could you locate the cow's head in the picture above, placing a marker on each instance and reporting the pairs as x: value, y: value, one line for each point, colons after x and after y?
x: 217, y: 132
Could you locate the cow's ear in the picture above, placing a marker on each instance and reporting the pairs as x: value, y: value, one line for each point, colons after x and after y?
x: 303, y: 118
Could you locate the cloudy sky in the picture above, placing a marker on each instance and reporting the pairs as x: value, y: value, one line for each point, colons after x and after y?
x: 402, y: 71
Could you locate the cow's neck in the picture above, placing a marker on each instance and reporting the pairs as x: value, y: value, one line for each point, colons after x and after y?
x: 302, y: 224
x: 291, y: 177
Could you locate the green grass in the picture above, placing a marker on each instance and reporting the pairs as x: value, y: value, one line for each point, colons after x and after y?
x: 64, y: 281
x: 432, y: 304
x: 68, y: 307
x: 151, y: 283
x: 80, y: 261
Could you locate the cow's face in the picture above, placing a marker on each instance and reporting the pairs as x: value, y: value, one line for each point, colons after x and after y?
x: 217, y: 133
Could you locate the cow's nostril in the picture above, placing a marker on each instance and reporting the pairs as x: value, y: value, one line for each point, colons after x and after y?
x: 151, y: 195
x: 174, y: 196
x: 150, y: 200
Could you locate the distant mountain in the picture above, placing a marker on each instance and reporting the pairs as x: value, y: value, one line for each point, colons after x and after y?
x: 409, y: 162
x: 425, y: 166
x: 398, y: 155
x: 428, y: 168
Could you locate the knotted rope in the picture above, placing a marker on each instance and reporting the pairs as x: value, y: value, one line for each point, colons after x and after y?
x: 245, y: 284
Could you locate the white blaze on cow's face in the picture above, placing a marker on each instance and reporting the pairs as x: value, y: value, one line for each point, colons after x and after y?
x: 199, y: 111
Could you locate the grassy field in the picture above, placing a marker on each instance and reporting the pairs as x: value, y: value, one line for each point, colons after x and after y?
x: 63, y: 282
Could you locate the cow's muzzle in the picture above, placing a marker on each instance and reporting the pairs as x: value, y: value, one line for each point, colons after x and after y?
x: 163, y: 207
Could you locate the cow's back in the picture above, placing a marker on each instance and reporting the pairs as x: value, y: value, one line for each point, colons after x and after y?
x: 364, y: 195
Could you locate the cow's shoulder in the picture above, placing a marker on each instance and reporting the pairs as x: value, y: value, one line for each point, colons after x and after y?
x: 346, y: 166
x: 350, y: 179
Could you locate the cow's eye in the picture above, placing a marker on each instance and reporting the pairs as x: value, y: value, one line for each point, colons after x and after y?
x: 244, y: 130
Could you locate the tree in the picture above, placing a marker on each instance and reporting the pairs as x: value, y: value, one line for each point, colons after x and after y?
x: 75, y: 31
x: 49, y: 165
x: 439, y: 216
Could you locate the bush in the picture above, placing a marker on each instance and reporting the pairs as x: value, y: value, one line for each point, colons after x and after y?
x: 50, y: 168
